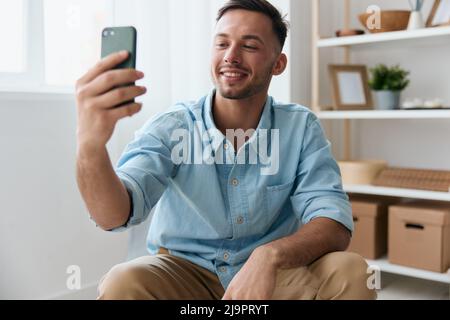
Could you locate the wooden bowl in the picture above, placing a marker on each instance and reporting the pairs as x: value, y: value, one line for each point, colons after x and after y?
x: 361, y: 172
x: 391, y: 20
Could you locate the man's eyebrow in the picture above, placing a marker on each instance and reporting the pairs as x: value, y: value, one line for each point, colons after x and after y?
x: 253, y: 37
x: 245, y: 37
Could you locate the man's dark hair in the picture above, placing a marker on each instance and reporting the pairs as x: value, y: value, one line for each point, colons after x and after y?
x: 279, y: 23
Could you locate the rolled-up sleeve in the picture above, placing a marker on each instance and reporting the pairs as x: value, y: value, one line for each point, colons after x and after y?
x: 319, y: 191
x: 146, y: 166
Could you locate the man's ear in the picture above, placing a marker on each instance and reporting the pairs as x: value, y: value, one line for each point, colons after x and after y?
x: 280, y: 65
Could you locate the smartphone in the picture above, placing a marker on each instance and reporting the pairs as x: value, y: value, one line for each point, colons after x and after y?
x: 115, y: 39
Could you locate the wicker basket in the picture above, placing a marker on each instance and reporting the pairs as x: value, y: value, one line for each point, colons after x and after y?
x: 419, y: 179
x: 391, y: 20
x: 361, y: 172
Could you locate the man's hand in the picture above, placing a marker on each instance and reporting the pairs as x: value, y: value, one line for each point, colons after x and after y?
x: 256, y: 280
x: 98, y: 92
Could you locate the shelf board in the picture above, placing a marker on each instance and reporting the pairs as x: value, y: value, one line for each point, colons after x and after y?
x: 384, y: 37
x: 385, y: 266
x: 388, y: 114
x: 397, y: 192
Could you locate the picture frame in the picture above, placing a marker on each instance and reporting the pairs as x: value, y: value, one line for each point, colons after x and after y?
x: 350, y: 86
x: 440, y: 14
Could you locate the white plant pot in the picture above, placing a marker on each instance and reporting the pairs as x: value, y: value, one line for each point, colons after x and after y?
x: 387, y: 100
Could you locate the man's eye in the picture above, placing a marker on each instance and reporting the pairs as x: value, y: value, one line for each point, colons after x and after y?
x: 250, y: 47
x: 221, y: 45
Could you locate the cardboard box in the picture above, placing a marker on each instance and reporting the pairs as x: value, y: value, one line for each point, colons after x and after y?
x: 370, y: 217
x: 419, y: 235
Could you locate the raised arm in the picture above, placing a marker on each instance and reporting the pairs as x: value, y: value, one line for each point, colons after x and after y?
x: 97, y: 96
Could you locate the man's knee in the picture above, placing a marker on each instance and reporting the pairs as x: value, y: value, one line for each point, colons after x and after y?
x: 346, y: 276
x: 125, y: 282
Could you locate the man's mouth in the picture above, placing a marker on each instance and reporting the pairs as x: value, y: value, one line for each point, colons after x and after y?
x: 233, y: 76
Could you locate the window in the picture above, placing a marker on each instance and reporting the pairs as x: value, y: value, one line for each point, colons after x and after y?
x: 50, y: 43
x: 72, y: 30
x: 12, y: 35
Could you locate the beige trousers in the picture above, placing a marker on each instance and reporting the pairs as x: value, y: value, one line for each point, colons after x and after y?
x: 338, y: 275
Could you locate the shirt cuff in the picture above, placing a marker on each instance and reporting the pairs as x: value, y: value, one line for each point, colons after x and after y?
x: 332, y: 208
x: 137, y: 212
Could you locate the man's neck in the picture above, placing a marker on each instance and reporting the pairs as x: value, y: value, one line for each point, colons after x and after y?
x: 242, y: 114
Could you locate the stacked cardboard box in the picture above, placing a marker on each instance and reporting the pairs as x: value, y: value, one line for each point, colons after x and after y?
x: 413, y: 233
x: 419, y: 235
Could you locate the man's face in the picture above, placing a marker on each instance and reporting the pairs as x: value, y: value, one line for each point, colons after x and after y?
x: 245, y: 51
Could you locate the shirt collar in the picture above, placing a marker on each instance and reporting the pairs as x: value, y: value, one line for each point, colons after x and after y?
x: 262, y: 131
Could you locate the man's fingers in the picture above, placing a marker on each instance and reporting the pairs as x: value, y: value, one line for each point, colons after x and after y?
x: 117, y: 96
x: 103, y: 65
x: 111, y: 79
x: 128, y: 110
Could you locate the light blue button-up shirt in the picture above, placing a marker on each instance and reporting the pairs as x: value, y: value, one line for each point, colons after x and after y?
x: 215, y: 213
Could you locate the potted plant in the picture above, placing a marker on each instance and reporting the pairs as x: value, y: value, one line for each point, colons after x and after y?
x: 388, y: 83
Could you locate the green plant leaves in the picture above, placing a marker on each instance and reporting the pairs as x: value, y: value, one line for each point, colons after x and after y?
x: 388, y: 78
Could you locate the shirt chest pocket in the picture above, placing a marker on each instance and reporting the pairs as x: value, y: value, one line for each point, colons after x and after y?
x: 275, y: 198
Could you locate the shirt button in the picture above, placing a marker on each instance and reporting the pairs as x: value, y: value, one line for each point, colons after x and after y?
x: 235, y: 182
x: 226, y: 146
x: 226, y: 256
x: 240, y: 220
x: 223, y: 269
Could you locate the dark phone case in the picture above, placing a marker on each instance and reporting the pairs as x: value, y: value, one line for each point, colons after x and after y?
x: 124, y: 38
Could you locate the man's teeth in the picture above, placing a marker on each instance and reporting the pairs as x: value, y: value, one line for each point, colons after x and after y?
x: 233, y: 74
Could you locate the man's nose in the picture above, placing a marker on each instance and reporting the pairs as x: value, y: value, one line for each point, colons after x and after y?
x: 233, y: 56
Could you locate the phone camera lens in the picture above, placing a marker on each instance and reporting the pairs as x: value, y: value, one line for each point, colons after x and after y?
x: 112, y: 33
x: 105, y: 33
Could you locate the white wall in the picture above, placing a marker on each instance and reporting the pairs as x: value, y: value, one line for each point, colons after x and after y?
x: 44, y: 226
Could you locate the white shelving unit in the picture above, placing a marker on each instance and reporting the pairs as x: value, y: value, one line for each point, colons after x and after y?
x: 427, y: 34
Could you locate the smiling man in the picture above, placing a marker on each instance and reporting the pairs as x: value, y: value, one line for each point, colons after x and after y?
x: 222, y: 229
